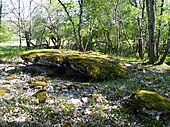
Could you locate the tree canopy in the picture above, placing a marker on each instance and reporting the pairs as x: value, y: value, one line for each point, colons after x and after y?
x: 121, y: 27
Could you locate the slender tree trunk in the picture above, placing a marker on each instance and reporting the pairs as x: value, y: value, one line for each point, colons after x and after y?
x: 0, y: 13
x: 118, y: 25
x: 167, y: 47
x: 151, y: 29
x: 30, y: 29
x: 159, y: 31
x: 19, y: 22
x: 110, y: 46
x: 140, y: 49
x: 27, y: 37
x: 140, y: 28
x: 81, y: 46
x: 88, y: 45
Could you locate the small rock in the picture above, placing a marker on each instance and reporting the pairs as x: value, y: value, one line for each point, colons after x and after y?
x: 158, y: 80
x: 41, y: 95
x: 88, y: 111
x: 84, y: 99
x: 75, y: 101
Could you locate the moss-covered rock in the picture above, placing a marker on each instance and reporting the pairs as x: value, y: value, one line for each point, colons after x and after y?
x: 149, y: 100
x: 3, y: 91
x: 37, y: 83
x: 91, y: 64
x: 41, y: 95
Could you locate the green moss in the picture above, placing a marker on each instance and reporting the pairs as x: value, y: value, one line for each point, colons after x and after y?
x: 67, y: 124
x: 93, y: 64
x: 154, y: 101
x: 37, y: 83
x: 151, y: 101
x: 167, y: 78
x: 3, y: 91
x: 49, y: 54
x: 41, y: 96
x: 68, y: 109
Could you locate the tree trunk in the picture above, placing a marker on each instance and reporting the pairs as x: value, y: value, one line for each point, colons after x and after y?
x: 159, y: 30
x: 88, y: 45
x: 81, y: 46
x: 19, y: 22
x: 0, y: 13
x: 30, y: 29
x: 27, y: 37
x: 167, y: 48
x: 140, y: 48
x: 151, y: 29
x: 140, y: 30
x: 118, y: 25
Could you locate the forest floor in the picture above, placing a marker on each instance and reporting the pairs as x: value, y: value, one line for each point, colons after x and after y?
x: 81, y: 104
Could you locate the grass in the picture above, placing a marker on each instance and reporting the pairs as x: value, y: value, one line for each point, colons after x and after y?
x: 9, y: 51
x: 9, y: 54
x: 167, y: 60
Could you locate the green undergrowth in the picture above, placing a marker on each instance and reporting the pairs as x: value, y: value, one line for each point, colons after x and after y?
x: 167, y: 60
x: 10, y: 51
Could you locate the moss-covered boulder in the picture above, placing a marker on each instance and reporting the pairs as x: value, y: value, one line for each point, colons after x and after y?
x: 148, y: 101
x: 41, y: 95
x: 90, y: 64
x: 3, y: 91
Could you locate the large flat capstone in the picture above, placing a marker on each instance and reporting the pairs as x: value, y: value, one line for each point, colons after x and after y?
x: 91, y: 64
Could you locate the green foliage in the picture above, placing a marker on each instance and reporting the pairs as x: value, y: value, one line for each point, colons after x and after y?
x: 108, y: 26
x: 40, y: 32
x: 5, y: 35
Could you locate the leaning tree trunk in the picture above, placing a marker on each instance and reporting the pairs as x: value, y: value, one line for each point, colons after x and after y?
x: 167, y: 47
x: 151, y: 29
